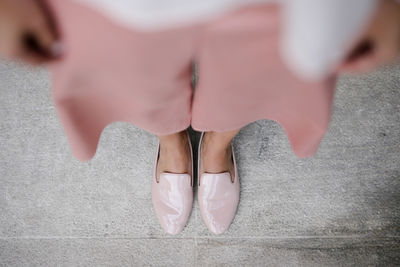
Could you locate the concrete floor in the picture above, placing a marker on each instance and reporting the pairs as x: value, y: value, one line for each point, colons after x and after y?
x: 338, y: 208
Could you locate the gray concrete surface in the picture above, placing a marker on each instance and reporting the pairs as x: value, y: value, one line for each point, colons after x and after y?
x: 338, y: 208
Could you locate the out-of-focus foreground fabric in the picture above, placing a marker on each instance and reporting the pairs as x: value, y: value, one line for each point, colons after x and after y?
x: 316, y: 35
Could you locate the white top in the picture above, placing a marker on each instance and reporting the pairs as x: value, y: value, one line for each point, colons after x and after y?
x: 316, y: 33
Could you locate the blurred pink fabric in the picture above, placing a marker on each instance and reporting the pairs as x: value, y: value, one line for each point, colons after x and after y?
x: 110, y: 73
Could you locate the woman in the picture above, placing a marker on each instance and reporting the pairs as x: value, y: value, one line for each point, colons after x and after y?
x: 131, y: 61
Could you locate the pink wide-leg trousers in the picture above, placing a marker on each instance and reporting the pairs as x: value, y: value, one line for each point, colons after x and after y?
x: 111, y: 73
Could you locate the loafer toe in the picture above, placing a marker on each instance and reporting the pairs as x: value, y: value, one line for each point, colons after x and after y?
x: 218, y: 200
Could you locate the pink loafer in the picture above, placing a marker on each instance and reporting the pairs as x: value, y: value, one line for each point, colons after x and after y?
x: 218, y: 196
x: 172, y: 196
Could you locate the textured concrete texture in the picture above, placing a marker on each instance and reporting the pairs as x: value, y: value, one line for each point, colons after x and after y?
x: 338, y: 208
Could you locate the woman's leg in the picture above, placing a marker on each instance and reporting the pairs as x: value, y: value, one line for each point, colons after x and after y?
x: 217, y: 153
x: 174, y: 153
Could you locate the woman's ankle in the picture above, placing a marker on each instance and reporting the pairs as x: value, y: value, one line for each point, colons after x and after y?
x: 174, y: 153
x: 218, y: 142
x: 175, y: 140
x: 217, y: 153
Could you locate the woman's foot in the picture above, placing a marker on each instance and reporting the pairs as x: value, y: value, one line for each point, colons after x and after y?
x: 172, y: 185
x: 216, y: 152
x: 174, y: 154
x: 218, y: 185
